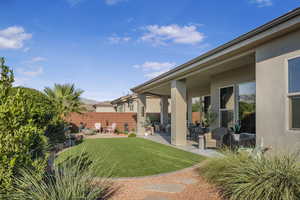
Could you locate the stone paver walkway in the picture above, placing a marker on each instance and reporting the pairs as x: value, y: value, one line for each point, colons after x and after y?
x: 182, y: 185
x: 190, y: 147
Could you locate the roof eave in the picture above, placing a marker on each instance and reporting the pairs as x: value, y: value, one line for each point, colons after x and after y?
x: 260, y: 29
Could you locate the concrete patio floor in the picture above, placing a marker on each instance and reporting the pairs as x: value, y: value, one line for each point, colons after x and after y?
x: 191, y: 146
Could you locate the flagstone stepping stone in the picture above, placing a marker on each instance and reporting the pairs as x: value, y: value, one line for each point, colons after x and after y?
x: 188, y: 181
x: 155, y: 198
x: 168, y: 188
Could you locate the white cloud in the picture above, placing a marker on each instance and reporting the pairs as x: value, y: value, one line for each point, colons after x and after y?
x: 155, y: 74
x: 160, y: 35
x: 262, y: 3
x: 153, y: 69
x: 13, y: 37
x: 31, y: 73
x: 147, y: 66
x: 113, y: 2
x: 117, y: 40
x: 37, y: 59
x: 26, y: 49
x: 20, y: 81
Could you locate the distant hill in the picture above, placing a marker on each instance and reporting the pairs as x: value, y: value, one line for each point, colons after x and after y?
x: 88, y: 104
x: 88, y: 101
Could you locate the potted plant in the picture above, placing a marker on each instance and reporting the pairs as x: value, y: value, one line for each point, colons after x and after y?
x: 236, y: 130
x: 148, y: 127
x: 209, y: 117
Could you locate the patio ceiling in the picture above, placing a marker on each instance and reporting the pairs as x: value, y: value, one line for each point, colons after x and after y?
x: 198, y: 81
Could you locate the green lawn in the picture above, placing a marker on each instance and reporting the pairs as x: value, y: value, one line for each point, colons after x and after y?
x: 130, y: 157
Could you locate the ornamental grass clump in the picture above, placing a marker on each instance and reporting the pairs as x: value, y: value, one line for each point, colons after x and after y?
x: 243, y: 176
x: 71, y: 179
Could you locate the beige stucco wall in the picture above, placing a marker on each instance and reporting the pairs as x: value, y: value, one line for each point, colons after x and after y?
x: 152, y: 105
x: 105, y: 109
x: 229, y: 78
x: 272, y: 102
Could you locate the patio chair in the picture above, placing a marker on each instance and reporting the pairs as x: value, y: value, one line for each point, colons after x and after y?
x: 156, y: 128
x: 214, y: 139
x: 111, y: 129
x: 210, y: 142
x: 98, y: 127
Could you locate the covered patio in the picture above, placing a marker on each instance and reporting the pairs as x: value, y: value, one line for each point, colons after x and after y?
x: 225, y: 87
x: 253, y: 81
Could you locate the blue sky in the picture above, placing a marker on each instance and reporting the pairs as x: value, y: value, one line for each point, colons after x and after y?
x: 106, y: 47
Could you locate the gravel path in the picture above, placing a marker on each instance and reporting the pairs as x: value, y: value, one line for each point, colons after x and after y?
x: 181, y: 185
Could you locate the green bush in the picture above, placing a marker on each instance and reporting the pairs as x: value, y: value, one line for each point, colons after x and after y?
x: 241, y: 176
x: 117, y: 131
x: 23, y: 119
x: 55, y: 132
x: 72, y: 179
x: 43, y: 110
x: 132, y: 135
x: 22, y: 141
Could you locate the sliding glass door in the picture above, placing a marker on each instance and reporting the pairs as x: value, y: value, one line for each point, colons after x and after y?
x: 237, y: 105
x: 227, y: 102
x: 246, y: 106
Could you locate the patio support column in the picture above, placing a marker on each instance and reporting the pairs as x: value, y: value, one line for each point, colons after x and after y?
x: 179, y: 112
x: 164, y: 111
x: 141, y: 114
x: 190, y: 110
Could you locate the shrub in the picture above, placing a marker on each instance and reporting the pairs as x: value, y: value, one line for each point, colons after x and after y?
x: 56, y: 132
x: 72, y: 179
x: 241, y: 176
x: 22, y: 125
x: 132, y: 135
x: 117, y: 131
x: 43, y: 109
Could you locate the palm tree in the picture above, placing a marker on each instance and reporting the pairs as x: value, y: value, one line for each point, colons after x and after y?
x: 66, y: 98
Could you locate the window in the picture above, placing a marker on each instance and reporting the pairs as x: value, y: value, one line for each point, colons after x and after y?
x: 143, y: 111
x: 294, y: 92
x: 120, y: 108
x: 130, y: 105
x: 246, y: 106
x: 226, y: 106
x: 206, y: 103
x: 295, y: 112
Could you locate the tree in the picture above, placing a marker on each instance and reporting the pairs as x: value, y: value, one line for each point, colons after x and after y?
x: 42, y: 104
x: 66, y: 98
x: 6, y: 80
x: 22, y: 126
x: 196, y: 106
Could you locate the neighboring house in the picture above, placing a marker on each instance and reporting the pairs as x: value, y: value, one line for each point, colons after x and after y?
x: 253, y: 79
x: 88, y: 104
x: 129, y: 103
x: 88, y: 108
x: 104, y: 106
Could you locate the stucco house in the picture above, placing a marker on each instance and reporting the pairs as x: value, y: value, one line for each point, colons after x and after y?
x: 253, y: 79
x: 129, y: 103
x: 104, y: 106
